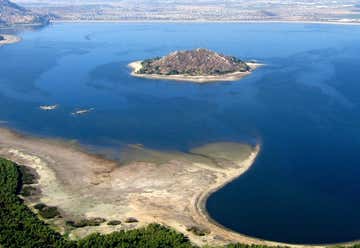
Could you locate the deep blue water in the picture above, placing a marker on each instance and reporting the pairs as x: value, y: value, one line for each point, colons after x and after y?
x: 303, y: 106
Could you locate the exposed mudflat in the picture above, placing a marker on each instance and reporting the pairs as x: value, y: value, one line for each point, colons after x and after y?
x: 170, y: 188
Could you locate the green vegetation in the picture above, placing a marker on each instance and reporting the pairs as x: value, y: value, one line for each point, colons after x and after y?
x: 28, y: 191
x: 173, y: 72
x: 86, y: 222
x: 197, y: 231
x: 20, y: 227
x: 147, y: 66
x: 47, y: 212
x: 131, y: 220
x: 152, y: 236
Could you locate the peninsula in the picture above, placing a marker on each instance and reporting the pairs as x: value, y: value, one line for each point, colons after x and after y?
x: 148, y: 186
x: 199, y: 66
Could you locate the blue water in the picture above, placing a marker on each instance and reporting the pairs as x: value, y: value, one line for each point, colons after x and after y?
x: 303, y: 106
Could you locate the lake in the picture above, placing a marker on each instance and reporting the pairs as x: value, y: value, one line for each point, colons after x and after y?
x: 303, y: 107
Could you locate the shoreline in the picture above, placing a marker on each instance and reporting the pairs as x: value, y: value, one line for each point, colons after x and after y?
x: 9, y: 39
x: 136, y: 66
x: 52, y: 159
x: 246, y: 239
x: 201, y: 200
x: 211, y: 21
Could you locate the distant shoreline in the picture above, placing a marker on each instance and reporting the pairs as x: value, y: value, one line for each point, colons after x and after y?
x: 211, y: 21
x: 9, y: 39
x: 136, y: 66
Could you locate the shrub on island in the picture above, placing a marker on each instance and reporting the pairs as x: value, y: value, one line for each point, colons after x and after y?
x: 27, y: 176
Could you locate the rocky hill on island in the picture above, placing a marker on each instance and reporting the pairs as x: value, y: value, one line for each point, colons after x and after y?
x: 199, y: 62
x: 13, y: 14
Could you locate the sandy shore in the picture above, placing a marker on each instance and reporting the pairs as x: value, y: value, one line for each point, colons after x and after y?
x: 9, y: 39
x: 136, y: 66
x: 170, y: 188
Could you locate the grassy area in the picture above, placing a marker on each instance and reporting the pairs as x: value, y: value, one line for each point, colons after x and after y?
x: 20, y: 227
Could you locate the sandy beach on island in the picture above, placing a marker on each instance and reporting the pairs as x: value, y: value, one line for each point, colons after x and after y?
x: 9, y: 39
x: 170, y: 188
x: 136, y: 66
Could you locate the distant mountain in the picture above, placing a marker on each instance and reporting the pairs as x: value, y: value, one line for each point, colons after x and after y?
x: 13, y: 14
x: 199, y: 62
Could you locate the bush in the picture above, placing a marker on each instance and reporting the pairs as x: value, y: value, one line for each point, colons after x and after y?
x: 27, y: 177
x: 49, y: 212
x: 131, y: 220
x: 114, y: 222
x: 198, y: 231
x: 86, y: 222
x: 28, y: 191
x: 39, y: 206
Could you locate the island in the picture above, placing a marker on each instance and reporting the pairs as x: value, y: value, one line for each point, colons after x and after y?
x: 200, y: 66
x: 6, y: 39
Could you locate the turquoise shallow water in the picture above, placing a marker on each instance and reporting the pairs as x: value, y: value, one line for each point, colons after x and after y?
x: 303, y: 106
